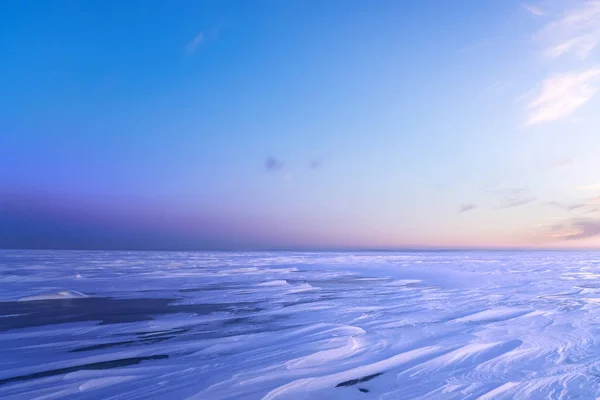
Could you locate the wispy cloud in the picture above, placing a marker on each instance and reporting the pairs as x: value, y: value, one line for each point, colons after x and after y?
x: 466, y: 207
x: 516, y: 201
x: 533, y: 9
x: 513, y: 197
x: 566, y: 206
x: 574, y: 32
x: 192, y: 46
x: 584, y: 206
x: 581, y: 46
x: 273, y: 164
x: 561, y: 94
x: 580, y: 228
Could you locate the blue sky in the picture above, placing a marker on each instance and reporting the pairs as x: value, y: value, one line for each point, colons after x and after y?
x: 299, y: 124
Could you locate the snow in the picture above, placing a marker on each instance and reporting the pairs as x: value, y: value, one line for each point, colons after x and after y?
x: 284, y: 325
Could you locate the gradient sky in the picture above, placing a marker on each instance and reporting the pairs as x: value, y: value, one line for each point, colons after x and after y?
x: 299, y: 124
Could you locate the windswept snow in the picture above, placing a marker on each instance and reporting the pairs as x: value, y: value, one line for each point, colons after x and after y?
x: 224, y: 325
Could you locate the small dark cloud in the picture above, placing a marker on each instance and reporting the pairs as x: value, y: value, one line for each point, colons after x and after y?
x: 566, y: 206
x: 466, y: 207
x: 585, y: 228
x: 273, y: 164
x: 557, y: 227
x: 593, y: 211
x: 315, y: 164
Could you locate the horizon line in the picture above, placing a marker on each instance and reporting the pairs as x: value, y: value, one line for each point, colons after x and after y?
x: 310, y: 250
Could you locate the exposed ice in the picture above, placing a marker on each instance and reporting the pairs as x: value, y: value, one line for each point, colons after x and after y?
x: 278, y: 282
x: 63, y: 294
x: 285, y: 325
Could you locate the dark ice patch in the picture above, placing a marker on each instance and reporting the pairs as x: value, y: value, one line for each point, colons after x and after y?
x: 144, y: 338
x: 124, y: 362
x: 105, y: 310
x: 359, y: 380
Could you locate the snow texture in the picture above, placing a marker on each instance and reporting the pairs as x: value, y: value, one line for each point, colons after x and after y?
x: 225, y: 325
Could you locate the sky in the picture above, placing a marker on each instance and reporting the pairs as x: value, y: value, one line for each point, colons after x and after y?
x: 338, y: 124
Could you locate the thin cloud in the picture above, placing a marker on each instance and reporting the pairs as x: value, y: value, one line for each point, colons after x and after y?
x: 513, y: 197
x: 273, y: 164
x: 533, y: 9
x: 566, y: 206
x: 561, y: 95
x: 588, y: 206
x: 466, y: 207
x: 515, y: 202
x: 582, y: 46
x: 581, y: 228
x: 575, y: 32
x: 192, y: 46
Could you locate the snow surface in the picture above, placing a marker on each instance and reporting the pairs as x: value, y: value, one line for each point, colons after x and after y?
x: 223, y: 325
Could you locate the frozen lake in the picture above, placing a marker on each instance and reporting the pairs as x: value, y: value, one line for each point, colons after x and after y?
x: 282, y: 325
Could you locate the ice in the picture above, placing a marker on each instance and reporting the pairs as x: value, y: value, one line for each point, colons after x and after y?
x: 97, y: 383
x: 298, y: 325
x: 278, y: 282
x: 63, y: 294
